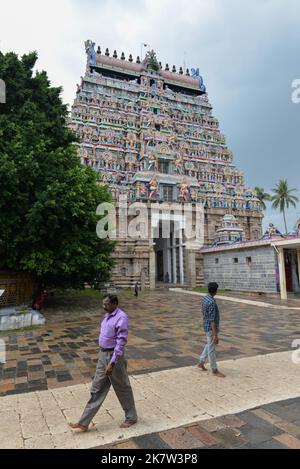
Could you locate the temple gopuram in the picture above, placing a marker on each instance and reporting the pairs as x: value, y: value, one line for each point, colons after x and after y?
x: 149, y: 132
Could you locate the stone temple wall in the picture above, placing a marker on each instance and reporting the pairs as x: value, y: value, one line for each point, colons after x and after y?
x: 135, y: 259
x: 232, y: 269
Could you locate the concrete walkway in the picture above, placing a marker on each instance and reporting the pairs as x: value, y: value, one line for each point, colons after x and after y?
x: 244, y: 301
x: 165, y: 400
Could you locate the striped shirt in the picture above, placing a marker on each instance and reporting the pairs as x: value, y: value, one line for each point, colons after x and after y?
x: 210, y: 312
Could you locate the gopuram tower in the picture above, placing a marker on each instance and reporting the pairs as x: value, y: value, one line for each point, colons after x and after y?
x: 149, y: 132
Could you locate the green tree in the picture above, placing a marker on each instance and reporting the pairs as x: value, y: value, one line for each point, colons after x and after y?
x: 283, y: 198
x: 151, y: 61
x: 48, y: 199
x: 262, y: 196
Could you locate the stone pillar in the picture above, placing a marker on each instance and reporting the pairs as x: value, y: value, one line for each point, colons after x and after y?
x: 181, y: 271
x: 152, y: 269
x: 165, y: 256
x: 142, y: 280
x: 174, y: 260
x: 282, y: 275
x: 169, y: 260
x: 190, y: 259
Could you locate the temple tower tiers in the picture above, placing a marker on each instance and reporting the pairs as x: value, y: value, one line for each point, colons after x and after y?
x: 149, y: 132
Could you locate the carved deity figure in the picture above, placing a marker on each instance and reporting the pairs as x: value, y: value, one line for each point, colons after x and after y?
x: 152, y: 162
x: 131, y: 139
x: 90, y: 50
x: 194, y: 194
x: 153, y: 186
x: 143, y: 191
x: 196, y: 74
x: 178, y: 164
x: 272, y: 231
x: 184, y: 191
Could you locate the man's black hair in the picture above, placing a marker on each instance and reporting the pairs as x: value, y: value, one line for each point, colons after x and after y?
x: 113, y: 299
x: 213, y: 288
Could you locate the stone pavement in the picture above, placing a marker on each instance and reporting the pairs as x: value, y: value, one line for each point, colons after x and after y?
x: 274, y: 299
x: 273, y: 426
x: 166, y: 333
x: 167, y: 400
x: 245, y: 301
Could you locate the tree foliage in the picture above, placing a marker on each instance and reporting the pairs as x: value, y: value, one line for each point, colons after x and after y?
x: 48, y: 199
x: 283, y: 198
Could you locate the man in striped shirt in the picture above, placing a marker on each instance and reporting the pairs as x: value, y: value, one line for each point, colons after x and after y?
x: 211, y: 324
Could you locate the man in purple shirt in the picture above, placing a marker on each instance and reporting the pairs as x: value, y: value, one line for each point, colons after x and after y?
x: 111, y: 368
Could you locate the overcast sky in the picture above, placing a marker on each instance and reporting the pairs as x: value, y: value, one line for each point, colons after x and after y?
x: 247, y: 51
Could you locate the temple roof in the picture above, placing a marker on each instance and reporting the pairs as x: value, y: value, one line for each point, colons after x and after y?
x: 237, y: 246
x: 105, y: 62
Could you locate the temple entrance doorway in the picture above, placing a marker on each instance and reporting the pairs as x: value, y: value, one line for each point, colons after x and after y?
x: 169, y: 255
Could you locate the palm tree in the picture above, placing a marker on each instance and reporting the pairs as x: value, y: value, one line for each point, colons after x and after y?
x: 262, y: 196
x: 282, y: 198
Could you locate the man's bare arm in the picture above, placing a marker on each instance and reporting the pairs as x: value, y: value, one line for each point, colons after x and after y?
x: 215, y: 332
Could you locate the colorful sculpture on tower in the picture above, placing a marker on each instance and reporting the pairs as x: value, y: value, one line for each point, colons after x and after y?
x: 138, y: 118
x: 272, y: 232
x: 149, y: 132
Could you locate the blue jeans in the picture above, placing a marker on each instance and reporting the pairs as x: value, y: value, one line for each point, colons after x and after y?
x: 210, y: 352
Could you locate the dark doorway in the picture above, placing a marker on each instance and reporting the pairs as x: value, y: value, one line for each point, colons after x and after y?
x: 160, y: 266
x: 288, y: 271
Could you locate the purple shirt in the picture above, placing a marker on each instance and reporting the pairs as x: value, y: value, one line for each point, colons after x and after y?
x: 114, y: 333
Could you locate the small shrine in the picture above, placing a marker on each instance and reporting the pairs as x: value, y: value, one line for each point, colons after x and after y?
x: 231, y: 232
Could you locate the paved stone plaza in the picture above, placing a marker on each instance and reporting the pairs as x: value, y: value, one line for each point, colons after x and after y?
x: 46, y: 379
x: 273, y: 426
x: 166, y: 332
